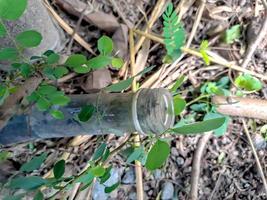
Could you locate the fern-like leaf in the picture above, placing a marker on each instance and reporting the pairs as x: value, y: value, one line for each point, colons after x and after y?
x: 173, y: 32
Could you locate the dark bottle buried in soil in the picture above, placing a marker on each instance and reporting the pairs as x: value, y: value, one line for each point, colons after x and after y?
x: 148, y: 111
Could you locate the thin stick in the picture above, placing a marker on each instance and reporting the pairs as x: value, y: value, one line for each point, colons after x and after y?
x: 138, y: 166
x: 225, y: 63
x: 196, y: 168
x: 196, y: 53
x: 257, y: 40
x: 121, y: 14
x: 196, y: 23
x: 76, y: 29
x: 154, y: 16
x: 68, y: 29
x: 255, y: 155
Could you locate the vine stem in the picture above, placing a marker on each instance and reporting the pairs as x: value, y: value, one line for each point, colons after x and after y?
x: 138, y: 166
x: 193, y: 52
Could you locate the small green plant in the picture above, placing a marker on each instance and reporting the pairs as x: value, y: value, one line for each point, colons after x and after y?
x: 232, y: 34
x: 173, y: 33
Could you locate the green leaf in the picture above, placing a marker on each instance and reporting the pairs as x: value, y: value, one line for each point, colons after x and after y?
x: 200, y: 127
x: 4, y: 93
x: 99, y: 151
x: 12, y: 9
x: 117, y: 63
x: 8, y: 54
x: 47, y: 89
x: 178, y: 83
x: 137, y: 154
x: 86, y: 113
x: 57, y: 114
x: 38, y: 196
x: 106, y: 176
x: 112, y: 188
x: 99, y: 62
x: 76, y: 60
x: 157, y: 155
x: 48, y: 53
x: 179, y: 104
x: 60, y: 71
x: 173, y: 33
x: 83, y: 69
x: 105, y: 45
x: 59, y: 100
x: 200, y: 107
x: 33, y: 97
x: 4, y: 155
x: 26, y: 70
x: 43, y: 104
x: 52, y: 58
x: 34, y: 163
x: 85, y: 178
x: 122, y: 85
x: 59, y: 169
x: 2, y: 30
x: 221, y: 130
x: 48, y: 71
x: 98, y: 171
x: 105, y: 155
x: 204, y: 46
x: 232, y: 34
x: 27, y: 183
x: 248, y: 82
x: 28, y: 39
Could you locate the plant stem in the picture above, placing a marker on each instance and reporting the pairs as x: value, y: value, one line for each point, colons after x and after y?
x: 197, y: 99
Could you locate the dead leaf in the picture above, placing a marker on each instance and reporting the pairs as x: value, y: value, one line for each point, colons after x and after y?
x: 97, y: 80
x: 101, y: 20
x: 120, y: 40
x: 142, y: 57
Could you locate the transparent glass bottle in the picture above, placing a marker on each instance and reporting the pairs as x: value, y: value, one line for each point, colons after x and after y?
x: 148, y: 111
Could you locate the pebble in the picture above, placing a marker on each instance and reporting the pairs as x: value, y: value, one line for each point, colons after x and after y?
x: 167, y: 191
x: 259, y: 142
x: 132, y: 196
x: 157, y: 174
x: 129, y: 177
x: 180, y: 161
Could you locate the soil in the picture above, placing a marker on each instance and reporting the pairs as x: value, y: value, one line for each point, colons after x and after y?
x: 229, y: 169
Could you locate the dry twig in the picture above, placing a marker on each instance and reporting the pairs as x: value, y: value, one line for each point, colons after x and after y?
x: 257, y: 40
x: 138, y: 166
x: 222, y: 62
x: 196, y: 168
x: 68, y: 29
x: 255, y: 155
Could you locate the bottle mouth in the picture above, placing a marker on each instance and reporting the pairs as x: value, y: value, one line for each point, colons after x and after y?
x: 152, y: 111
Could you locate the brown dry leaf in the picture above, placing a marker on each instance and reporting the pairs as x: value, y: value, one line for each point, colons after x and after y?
x: 97, y: 80
x: 120, y: 40
x: 101, y: 20
x: 221, y: 13
x: 142, y: 57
